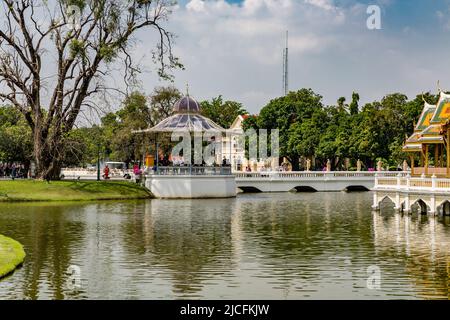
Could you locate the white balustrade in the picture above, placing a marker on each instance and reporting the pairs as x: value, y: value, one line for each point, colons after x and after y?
x: 405, y: 183
x: 317, y: 174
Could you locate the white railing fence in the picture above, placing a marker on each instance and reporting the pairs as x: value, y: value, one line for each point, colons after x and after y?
x: 316, y: 174
x: 404, y: 183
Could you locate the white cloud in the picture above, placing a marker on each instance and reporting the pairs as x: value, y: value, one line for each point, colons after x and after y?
x: 324, y: 4
x: 196, y: 6
x: 236, y: 51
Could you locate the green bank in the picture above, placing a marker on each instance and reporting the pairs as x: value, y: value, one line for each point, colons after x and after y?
x: 11, y: 255
x: 31, y: 190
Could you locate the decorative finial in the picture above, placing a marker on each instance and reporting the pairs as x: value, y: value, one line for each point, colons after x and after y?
x: 187, y: 89
x: 423, y: 98
x: 439, y: 86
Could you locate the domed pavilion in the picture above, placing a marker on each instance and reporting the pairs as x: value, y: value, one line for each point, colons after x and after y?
x: 187, y: 180
x: 186, y: 117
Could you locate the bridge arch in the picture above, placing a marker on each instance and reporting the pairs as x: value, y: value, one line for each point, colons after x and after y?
x: 386, y: 199
x: 249, y: 189
x: 444, y: 207
x: 303, y: 189
x: 356, y: 188
x: 422, y: 205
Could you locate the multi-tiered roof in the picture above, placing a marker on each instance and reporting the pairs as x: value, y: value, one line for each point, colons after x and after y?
x: 431, y: 125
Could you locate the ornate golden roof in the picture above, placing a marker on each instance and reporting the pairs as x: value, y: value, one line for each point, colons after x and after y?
x: 432, y: 124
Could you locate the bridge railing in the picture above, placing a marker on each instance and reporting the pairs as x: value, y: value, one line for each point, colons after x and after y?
x: 315, y: 174
x: 193, y: 171
x: 408, y: 183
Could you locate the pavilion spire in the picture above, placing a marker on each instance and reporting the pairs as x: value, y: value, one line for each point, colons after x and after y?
x: 423, y: 98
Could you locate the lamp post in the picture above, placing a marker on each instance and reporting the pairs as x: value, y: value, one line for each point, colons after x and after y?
x: 98, y: 161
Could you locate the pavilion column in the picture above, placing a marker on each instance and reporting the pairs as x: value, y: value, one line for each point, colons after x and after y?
x: 448, y: 153
x: 421, y: 160
x: 157, y: 152
x: 436, y: 155
x: 426, y: 159
x: 412, y: 164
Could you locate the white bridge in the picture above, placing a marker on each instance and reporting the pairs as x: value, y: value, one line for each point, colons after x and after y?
x: 431, y: 195
x: 304, y: 181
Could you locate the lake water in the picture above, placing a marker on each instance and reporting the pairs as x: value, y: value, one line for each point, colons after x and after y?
x: 257, y: 246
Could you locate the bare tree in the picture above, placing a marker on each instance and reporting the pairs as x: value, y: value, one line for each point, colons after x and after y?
x: 51, y: 71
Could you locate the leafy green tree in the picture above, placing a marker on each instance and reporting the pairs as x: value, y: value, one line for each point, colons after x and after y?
x: 341, y: 104
x: 222, y: 112
x: 354, y: 105
x: 135, y: 114
x: 162, y: 101
x: 15, y: 137
x: 287, y: 114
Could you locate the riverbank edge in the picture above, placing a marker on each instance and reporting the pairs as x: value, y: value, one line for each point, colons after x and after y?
x: 12, y: 255
x: 122, y: 191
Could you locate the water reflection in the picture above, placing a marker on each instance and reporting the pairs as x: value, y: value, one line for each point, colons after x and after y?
x: 286, y: 245
x: 191, y: 240
x: 422, y: 245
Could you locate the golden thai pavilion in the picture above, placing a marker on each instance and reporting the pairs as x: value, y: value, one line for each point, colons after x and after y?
x: 431, y: 139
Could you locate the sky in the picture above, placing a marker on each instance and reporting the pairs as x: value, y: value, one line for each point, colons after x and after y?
x: 234, y: 48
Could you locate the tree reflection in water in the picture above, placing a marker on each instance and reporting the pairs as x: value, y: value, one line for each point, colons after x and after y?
x: 286, y: 245
x: 422, y: 244
x: 190, y: 239
x: 48, y: 238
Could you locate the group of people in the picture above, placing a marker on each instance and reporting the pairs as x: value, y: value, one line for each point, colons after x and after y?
x: 107, y: 172
x: 12, y: 170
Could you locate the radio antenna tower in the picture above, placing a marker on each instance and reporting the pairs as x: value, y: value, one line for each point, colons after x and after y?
x: 286, y: 66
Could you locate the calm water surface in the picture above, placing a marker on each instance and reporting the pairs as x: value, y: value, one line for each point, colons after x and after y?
x: 257, y: 246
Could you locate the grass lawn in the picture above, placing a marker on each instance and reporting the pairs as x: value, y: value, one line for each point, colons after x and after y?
x: 11, y: 255
x: 31, y: 190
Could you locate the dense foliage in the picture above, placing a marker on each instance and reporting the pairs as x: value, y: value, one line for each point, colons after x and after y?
x: 342, y: 133
x: 222, y: 112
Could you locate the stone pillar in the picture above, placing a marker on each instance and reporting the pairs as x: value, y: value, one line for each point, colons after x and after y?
x: 399, y: 181
x: 398, y: 206
x: 407, y: 206
x: 433, y: 182
x: 433, y: 205
x: 375, y: 205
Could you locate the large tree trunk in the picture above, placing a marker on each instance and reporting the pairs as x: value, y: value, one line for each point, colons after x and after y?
x: 48, y: 157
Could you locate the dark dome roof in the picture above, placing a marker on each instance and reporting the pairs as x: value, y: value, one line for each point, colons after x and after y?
x: 186, y: 105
